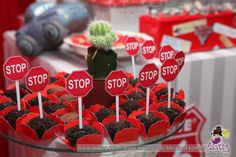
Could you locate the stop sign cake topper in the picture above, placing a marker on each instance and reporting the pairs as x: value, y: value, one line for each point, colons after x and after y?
x: 148, y: 76
x: 166, y: 52
x: 169, y: 71
x: 115, y: 84
x: 36, y: 80
x: 132, y: 47
x: 15, y: 69
x: 149, y: 49
x: 79, y: 83
x: 180, y: 59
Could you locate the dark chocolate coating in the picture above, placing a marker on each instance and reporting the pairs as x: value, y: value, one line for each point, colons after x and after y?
x: 104, y: 113
x: 41, y: 125
x: 53, y: 107
x: 35, y: 102
x: 13, y: 115
x: 7, y: 104
x: 148, y: 120
x: 129, y: 106
x: 172, y: 113
x: 137, y: 95
x: 114, y: 127
x: 73, y: 134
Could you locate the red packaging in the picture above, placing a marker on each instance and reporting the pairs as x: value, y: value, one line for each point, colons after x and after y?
x: 155, y: 129
x: 125, y: 135
x: 179, y: 119
x: 3, y: 98
x: 201, y: 38
x: 48, y: 134
x: 5, y: 123
x: 29, y: 97
x: 22, y: 90
x: 87, y: 140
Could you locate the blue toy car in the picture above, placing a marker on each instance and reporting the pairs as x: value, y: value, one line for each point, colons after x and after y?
x: 47, y: 30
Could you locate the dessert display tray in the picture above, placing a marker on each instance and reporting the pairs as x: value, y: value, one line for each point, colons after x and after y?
x: 57, y: 144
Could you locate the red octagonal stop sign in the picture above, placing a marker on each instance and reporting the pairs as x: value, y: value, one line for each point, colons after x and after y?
x: 37, y: 79
x: 116, y: 83
x: 15, y: 68
x: 132, y: 46
x: 148, y: 75
x: 79, y: 83
x: 169, y: 70
x: 149, y: 49
x: 180, y: 58
x: 166, y: 52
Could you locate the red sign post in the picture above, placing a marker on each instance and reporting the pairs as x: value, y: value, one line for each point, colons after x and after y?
x: 166, y: 52
x: 36, y: 80
x: 180, y: 59
x: 132, y: 47
x: 115, y: 84
x: 79, y: 84
x: 15, y: 69
x: 148, y: 76
x: 169, y: 71
x: 149, y: 49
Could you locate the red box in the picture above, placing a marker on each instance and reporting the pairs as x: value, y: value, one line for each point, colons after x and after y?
x: 193, y: 27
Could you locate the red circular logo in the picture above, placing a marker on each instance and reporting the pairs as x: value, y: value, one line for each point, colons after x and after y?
x: 116, y: 83
x: 79, y: 83
x: 166, y: 52
x: 148, y: 75
x: 180, y: 59
x: 15, y: 68
x: 37, y: 79
x: 132, y: 46
x: 169, y: 70
x: 149, y: 49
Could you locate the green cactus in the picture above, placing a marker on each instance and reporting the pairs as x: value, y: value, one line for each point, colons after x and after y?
x: 101, y: 59
x: 101, y: 34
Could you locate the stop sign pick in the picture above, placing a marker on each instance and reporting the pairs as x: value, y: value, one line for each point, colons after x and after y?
x: 36, y: 80
x: 115, y: 84
x: 15, y: 69
x: 149, y: 49
x: 169, y: 71
x: 132, y: 47
x: 147, y: 77
x: 166, y: 52
x: 180, y: 58
x: 79, y: 83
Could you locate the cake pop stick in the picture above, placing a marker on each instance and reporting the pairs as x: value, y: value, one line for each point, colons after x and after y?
x: 148, y: 76
x: 169, y: 71
x: 79, y: 84
x: 36, y: 80
x: 132, y: 47
x: 115, y: 84
x: 15, y: 69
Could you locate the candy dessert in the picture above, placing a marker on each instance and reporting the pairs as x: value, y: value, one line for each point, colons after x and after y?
x: 6, y: 104
x: 130, y: 106
x: 148, y: 120
x: 115, y: 127
x: 13, y: 115
x: 53, y: 107
x: 104, y: 113
x: 67, y: 117
x: 41, y: 125
x: 75, y: 133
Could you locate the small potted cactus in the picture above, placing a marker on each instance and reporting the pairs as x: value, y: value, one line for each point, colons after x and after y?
x: 101, y: 60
